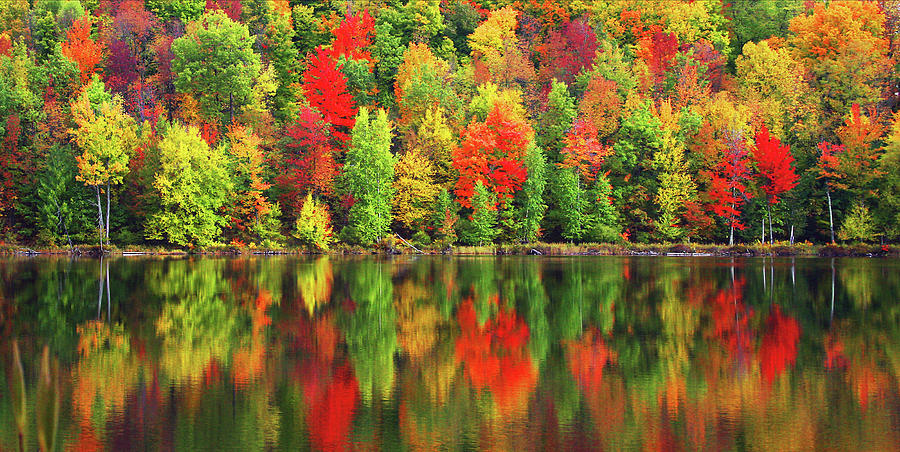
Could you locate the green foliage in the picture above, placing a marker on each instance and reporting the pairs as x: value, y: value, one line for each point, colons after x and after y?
x: 215, y: 62
x: 482, y: 225
x: 193, y: 184
x: 444, y: 219
x: 63, y: 205
x: 183, y: 10
x: 368, y: 173
x: 556, y: 120
x: 313, y: 225
x: 858, y: 225
x: 531, y: 209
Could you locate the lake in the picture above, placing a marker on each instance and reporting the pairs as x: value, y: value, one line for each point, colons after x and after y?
x: 450, y: 353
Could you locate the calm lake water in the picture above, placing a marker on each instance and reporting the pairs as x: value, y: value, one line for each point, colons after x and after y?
x: 462, y: 353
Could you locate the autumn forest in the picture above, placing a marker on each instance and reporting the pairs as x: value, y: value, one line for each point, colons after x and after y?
x: 286, y: 123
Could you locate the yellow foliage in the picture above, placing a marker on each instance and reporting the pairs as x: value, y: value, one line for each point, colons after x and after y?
x: 415, y: 189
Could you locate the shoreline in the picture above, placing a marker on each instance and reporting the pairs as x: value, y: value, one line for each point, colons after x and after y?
x: 537, y: 249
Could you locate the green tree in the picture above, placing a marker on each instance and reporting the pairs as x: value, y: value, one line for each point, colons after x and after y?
x: 368, y: 173
x: 193, y: 183
x: 214, y: 61
x: 556, y: 120
x: 531, y: 205
x: 483, y: 222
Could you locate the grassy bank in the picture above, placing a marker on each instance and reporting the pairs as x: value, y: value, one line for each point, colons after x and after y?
x: 544, y: 249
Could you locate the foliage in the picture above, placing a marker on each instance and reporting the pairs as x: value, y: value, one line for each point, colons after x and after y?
x: 858, y: 225
x: 491, y: 153
x: 193, y: 182
x: 414, y: 190
x: 482, y: 225
x: 313, y: 225
x: 369, y: 173
x: 215, y: 63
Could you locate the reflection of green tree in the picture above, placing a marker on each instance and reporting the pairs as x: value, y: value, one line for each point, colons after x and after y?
x: 196, y: 324
x: 370, y: 329
x: 532, y: 301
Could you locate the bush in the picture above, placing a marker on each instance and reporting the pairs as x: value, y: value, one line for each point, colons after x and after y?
x: 858, y: 225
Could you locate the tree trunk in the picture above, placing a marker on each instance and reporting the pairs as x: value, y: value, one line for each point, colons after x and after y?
x: 771, y: 237
x: 830, y: 215
x: 731, y: 223
x: 107, y: 213
x: 99, y: 216
x: 763, y: 233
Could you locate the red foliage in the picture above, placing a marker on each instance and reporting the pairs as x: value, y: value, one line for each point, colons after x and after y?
x: 5, y: 46
x: 564, y: 53
x: 494, y: 355
x: 492, y: 152
x: 331, y: 410
x: 658, y: 52
x: 231, y: 8
x: 326, y: 90
x: 81, y: 49
x: 583, y: 151
x: 9, y: 163
x: 587, y: 358
x: 773, y: 161
x: 308, y: 161
x: 727, y: 191
x: 352, y: 37
x: 778, y: 349
x: 707, y: 56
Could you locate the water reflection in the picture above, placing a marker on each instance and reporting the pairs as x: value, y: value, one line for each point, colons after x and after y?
x: 450, y: 353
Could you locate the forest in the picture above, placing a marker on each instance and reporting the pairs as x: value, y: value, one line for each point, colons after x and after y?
x: 285, y: 123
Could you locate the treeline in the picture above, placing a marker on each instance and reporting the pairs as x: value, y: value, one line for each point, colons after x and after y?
x: 276, y: 122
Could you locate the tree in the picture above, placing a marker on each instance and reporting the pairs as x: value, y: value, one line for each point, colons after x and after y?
x: 369, y: 172
x: 774, y: 163
x: 107, y: 137
x: 492, y: 152
x: 192, y: 182
x: 81, y: 49
x: 556, y: 119
x: 253, y: 217
x: 444, y: 218
x: 483, y: 221
x: 215, y: 63
x: 326, y: 90
x: 307, y: 160
x: 727, y: 187
x: 313, y: 225
x: 414, y: 189
x: 676, y: 185
x: 532, y: 207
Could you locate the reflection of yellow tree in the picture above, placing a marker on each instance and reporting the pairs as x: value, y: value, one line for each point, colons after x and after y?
x: 416, y: 322
x: 314, y: 282
x: 859, y: 281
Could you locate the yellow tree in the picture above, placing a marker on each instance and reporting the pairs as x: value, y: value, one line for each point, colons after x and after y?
x: 107, y: 137
x: 414, y: 190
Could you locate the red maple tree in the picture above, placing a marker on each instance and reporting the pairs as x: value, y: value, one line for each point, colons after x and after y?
x: 492, y: 152
x: 353, y: 37
x: 308, y: 162
x: 326, y: 90
x: 774, y: 163
x: 81, y: 49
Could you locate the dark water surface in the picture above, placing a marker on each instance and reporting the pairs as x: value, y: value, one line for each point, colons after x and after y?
x: 510, y: 353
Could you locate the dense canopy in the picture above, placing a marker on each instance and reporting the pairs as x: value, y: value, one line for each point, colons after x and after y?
x: 705, y: 121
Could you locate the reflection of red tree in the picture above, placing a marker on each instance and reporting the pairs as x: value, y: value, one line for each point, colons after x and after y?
x: 779, y: 345
x: 494, y: 355
x: 730, y: 320
x: 587, y: 358
x: 331, y: 409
